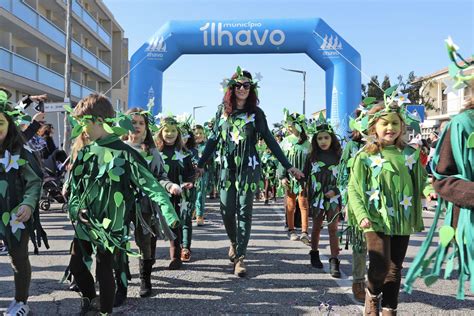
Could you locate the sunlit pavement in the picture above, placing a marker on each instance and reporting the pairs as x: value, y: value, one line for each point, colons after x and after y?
x: 280, y: 278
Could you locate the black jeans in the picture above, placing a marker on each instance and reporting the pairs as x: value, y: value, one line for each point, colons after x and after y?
x: 83, y: 276
x: 386, y: 256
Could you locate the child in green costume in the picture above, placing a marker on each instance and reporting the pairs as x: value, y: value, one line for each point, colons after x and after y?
x: 178, y: 165
x: 453, y: 168
x: 385, y: 188
x: 106, y: 179
x: 296, y: 148
x: 20, y: 189
x: 203, y: 182
x: 238, y: 122
x: 323, y: 195
x: 269, y: 170
x: 141, y: 139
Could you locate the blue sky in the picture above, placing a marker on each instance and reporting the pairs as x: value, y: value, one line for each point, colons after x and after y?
x: 393, y: 37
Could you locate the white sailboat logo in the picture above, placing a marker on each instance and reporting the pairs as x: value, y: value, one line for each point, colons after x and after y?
x: 157, y: 45
x: 331, y: 43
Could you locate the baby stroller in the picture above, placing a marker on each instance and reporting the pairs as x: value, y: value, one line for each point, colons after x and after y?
x: 53, y: 169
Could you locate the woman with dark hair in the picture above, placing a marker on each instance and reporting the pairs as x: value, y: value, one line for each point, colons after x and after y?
x: 238, y: 123
x: 46, y: 131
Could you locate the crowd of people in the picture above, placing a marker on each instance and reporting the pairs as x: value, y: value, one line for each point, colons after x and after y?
x: 375, y: 181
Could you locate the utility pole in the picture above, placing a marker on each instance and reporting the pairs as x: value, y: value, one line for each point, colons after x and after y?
x: 194, y: 110
x: 304, y: 85
x: 67, y: 77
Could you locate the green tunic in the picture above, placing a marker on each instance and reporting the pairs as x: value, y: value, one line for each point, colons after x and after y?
x: 19, y: 185
x: 106, y: 179
x: 386, y: 188
x: 296, y: 154
x: 454, y: 244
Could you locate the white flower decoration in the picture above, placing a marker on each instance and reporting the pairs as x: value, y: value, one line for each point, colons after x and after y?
x: 377, y: 161
x: 253, y: 162
x: 315, y: 168
x: 402, y: 98
x: 235, y: 136
x: 10, y: 161
x: 334, y: 199
x: 391, y: 211
x: 373, y: 194
x: 335, y: 171
x: 406, y: 202
x: 16, y: 224
x: 249, y: 118
x: 179, y: 155
x: 321, y: 204
x: 410, y: 161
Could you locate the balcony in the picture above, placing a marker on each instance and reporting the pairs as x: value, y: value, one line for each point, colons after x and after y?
x: 21, y: 66
x: 27, y: 14
x: 90, y: 21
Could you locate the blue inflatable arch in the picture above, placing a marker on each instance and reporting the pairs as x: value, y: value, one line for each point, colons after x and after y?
x: 314, y: 37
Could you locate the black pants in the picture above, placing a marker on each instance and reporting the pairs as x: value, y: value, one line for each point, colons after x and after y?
x: 83, y: 276
x: 386, y: 256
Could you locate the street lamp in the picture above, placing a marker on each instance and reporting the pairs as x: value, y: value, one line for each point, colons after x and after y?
x: 304, y: 85
x: 194, y: 110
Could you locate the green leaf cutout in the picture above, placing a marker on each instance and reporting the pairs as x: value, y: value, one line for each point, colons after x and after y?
x: 108, y: 156
x: 118, y: 198
x: 3, y: 188
x: 107, y: 128
x: 5, y: 218
x: 470, y: 141
x: 76, y: 131
x: 78, y: 170
x: 446, y: 234
x: 430, y: 279
x: 106, y: 222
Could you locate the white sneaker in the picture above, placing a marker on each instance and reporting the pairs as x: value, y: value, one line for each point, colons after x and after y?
x: 293, y: 235
x: 17, y: 309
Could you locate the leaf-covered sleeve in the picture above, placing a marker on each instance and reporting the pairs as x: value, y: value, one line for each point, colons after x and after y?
x: 262, y: 128
x: 356, y: 194
x: 159, y: 171
x: 142, y: 178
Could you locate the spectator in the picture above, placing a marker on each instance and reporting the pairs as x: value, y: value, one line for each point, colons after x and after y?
x: 46, y: 132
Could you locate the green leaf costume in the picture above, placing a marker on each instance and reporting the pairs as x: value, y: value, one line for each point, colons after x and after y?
x: 296, y: 154
x: 19, y: 185
x: 455, y: 242
x: 105, y: 180
x: 386, y: 188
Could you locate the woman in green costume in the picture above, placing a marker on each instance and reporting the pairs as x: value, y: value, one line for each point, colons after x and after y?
x: 296, y: 148
x: 385, y: 189
x: 453, y: 168
x: 238, y: 121
x: 20, y: 189
x: 101, y: 174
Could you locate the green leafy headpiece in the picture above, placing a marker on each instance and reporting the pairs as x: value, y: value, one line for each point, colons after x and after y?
x: 166, y: 120
x: 298, y: 120
x: 456, y: 68
x: 394, y: 102
x: 8, y: 108
x: 185, y: 124
x: 230, y: 83
x: 320, y: 125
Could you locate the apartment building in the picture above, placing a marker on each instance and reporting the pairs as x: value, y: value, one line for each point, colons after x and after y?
x: 33, y: 45
x: 447, y: 104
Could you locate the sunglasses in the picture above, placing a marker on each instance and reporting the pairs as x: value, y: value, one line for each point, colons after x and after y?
x: 246, y: 85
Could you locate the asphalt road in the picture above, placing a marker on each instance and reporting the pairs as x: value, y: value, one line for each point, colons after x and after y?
x: 280, y: 278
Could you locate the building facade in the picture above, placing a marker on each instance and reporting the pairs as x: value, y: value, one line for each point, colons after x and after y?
x: 446, y: 102
x: 33, y: 46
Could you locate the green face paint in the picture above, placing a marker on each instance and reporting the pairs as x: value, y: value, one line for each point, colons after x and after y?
x: 388, y: 128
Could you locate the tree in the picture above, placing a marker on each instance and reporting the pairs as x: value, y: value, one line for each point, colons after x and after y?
x: 413, y: 86
x: 373, y: 89
x: 386, y: 83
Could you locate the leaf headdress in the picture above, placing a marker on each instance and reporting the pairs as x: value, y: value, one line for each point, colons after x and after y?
x: 230, y: 83
x: 8, y: 108
x: 321, y: 124
x: 296, y: 119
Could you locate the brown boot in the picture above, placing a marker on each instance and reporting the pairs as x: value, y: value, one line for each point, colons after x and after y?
x: 358, y: 290
x: 389, y: 311
x: 231, y: 254
x: 372, y: 303
x: 175, y: 255
x: 239, y: 267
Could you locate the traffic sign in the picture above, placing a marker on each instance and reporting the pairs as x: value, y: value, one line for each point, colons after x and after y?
x: 55, y: 107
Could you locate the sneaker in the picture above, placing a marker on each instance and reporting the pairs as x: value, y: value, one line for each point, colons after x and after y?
x: 3, y: 250
x: 18, y: 309
x: 185, y: 255
x: 358, y: 290
x: 199, y: 221
x: 293, y: 236
x: 10, y: 307
x: 305, y: 238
